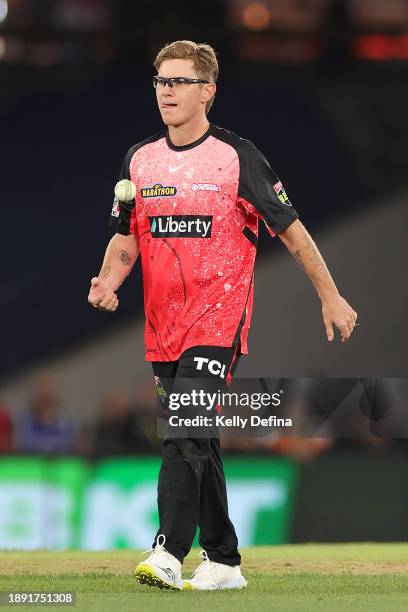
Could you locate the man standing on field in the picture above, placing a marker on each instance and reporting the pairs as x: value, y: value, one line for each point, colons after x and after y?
x: 200, y: 192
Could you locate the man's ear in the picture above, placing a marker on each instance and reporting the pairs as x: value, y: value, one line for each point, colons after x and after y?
x: 208, y: 92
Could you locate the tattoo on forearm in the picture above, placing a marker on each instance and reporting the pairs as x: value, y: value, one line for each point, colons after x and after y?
x: 105, y: 271
x: 312, y: 262
x: 124, y: 257
x: 298, y: 256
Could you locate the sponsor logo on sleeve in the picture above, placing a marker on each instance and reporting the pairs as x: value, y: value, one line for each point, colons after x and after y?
x: 181, y: 226
x: 158, y: 191
x: 281, y: 193
x: 115, y: 208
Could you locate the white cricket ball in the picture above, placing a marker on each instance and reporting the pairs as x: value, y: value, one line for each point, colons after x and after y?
x: 125, y: 191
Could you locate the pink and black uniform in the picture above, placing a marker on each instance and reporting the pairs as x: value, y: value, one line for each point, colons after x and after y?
x: 196, y: 216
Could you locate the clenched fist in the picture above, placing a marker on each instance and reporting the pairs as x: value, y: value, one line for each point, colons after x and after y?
x: 102, y: 296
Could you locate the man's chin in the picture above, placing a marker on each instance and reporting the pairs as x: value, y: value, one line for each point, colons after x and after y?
x: 170, y: 122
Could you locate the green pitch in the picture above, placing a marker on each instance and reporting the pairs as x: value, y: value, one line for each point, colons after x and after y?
x: 330, y: 577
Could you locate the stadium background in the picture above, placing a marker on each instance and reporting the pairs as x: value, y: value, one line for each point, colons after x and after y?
x: 320, y: 87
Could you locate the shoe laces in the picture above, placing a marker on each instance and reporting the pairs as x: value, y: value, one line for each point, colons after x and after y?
x: 159, y: 545
x: 204, y: 565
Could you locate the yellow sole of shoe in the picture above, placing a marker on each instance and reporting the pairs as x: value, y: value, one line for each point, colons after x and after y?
x: 187, y: 586
x: 145, y: 575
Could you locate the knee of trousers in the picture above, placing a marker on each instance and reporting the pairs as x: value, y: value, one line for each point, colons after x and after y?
x: 193, y: 451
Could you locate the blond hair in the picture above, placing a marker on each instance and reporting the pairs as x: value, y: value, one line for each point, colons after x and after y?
x: 203, y: 57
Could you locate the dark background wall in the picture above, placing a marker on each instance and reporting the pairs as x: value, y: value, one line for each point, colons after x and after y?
x: 353, y: 493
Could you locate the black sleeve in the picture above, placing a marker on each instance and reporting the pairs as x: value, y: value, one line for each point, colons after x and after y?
x: 121, y: 211
x: 260, y: 186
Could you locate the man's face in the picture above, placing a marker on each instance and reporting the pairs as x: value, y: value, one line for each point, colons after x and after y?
x: 182, y: 102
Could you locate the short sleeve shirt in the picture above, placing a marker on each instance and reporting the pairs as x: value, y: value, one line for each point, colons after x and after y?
x: 195, y: 216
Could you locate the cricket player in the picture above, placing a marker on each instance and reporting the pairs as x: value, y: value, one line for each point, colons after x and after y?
x: 201, y: 191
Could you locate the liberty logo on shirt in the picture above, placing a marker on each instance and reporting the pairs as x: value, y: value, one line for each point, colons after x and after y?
x: 181, y: 226
x: 158, y: 190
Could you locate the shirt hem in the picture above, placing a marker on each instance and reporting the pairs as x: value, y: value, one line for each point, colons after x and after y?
x: 149, y: 357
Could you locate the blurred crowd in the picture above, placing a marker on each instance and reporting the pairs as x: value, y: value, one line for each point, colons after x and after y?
x: 46, y: 426
x: 123, y: 425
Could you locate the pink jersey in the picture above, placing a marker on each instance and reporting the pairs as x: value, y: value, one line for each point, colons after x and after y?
x: 195, y: 216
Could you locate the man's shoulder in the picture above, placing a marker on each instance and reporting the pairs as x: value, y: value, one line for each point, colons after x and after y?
x: 142, y: 143
x: 243, y: 146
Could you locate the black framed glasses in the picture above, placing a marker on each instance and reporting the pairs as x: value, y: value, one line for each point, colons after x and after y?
x: 171, y: 81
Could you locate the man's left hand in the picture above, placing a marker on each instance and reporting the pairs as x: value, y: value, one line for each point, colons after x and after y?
x: 337, y: 311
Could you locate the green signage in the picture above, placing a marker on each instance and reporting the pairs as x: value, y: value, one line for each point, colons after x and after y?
x: 66, y: 503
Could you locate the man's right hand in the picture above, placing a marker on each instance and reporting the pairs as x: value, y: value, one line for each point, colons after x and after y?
x: 101, y: 296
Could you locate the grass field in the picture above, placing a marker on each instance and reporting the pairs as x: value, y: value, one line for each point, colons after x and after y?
x: 294, y: 577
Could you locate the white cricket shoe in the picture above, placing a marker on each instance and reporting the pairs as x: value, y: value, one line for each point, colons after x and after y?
x: 210, y: 576
x: 160, y: 569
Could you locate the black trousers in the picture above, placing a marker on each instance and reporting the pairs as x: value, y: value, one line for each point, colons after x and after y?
x: 191, y: 486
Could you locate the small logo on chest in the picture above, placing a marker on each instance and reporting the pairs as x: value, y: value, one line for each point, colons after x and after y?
x: 158, y: 191
x: 205, y: 187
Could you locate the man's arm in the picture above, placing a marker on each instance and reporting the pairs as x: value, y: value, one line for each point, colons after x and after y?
x: 335, y: 309
x: 120, y: 256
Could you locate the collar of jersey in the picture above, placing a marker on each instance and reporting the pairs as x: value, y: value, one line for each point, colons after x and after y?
x: 191, y: 145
